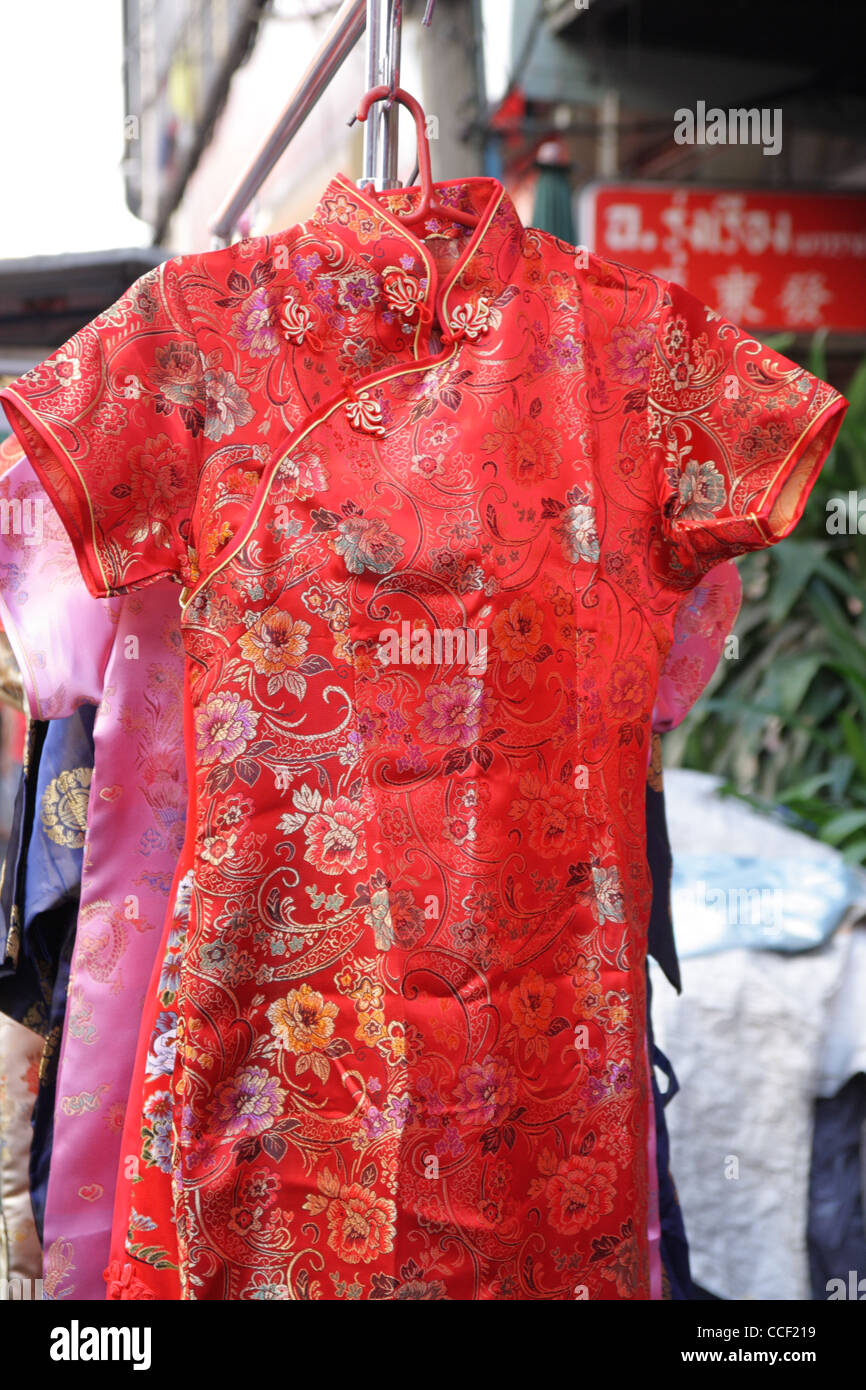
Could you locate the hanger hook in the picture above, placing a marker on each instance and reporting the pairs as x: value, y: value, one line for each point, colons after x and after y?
x: 429, y: 204
x: 382, y: 93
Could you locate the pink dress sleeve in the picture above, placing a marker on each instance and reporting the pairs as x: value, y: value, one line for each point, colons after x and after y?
x: 60, y: 636
x: 704, y: 619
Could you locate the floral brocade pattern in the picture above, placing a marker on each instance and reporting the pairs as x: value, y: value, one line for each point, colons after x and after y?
x: 409, y: 1024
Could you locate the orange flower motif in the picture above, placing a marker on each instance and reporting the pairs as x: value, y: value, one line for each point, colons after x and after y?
x: 581, y: 1191
x: 532, y: 1004
x: 554, y: 821
x: 517, y: 631
x: 369, y: 995
x: 361, y: 1224
x: 530, y: 449
x: 304, y: 1020
x: 619, y: 1010
x: 275, y: 643
x: 587, y: 984
x: 628, y: 688
x: 371, y: 1026
x: 158, y: 484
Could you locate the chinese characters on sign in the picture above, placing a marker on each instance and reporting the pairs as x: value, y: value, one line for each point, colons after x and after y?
x: 769, y: 261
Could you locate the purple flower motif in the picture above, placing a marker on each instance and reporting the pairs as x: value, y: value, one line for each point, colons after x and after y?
x: 434, y: 1103
x: 454, y: 713
x: 450, y: 1143
x: 366, y: 726
x: 247, y: 1103
x: 302, y: 267
x: 224, y: 727
x: 400, y: 1111
x: 256, y: 324
x: 200, y: 1157
x: 620, y: 1075
x: 324, y: 293
x: 357, y: 293
x: 374, y: 1123
x: 593, y: 1090
x: 412, y: 760
x: 567, y: 351
x: 394, y: 722
x: 486, y: 1090
x: 630, y: 353
x: 188, y: 1127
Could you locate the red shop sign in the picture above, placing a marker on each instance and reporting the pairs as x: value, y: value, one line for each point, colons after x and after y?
x: 767, y: 261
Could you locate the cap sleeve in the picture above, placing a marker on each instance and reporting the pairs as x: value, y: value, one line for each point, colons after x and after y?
x: 111, y: 423
x: 738, y: 435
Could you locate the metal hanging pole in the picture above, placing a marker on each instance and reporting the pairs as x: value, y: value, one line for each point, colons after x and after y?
x: 344, y: 32
x: 384, y: 27
x: 383, y: 20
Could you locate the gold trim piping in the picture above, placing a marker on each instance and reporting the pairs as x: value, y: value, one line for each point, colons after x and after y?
x: 267, y: 480
x: 478, y: 235
x: 394, y: 222
x: 41, y: 428
x: 812, y: 425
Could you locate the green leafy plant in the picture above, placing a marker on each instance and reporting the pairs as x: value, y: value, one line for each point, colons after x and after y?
x: 785, y: 722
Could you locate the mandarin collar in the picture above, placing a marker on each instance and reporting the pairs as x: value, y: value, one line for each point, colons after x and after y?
x: 370, y: 227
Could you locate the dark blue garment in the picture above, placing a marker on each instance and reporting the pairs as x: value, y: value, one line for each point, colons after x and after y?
x: 660, y: 942
x: 39, y: 904
x: 837, y: 1189
x: 674, y: 1245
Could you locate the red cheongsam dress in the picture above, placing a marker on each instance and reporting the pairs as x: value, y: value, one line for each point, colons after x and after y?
x: 434, y: 501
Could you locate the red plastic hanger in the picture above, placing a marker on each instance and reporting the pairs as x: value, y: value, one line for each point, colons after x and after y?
x: 430, y: 206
